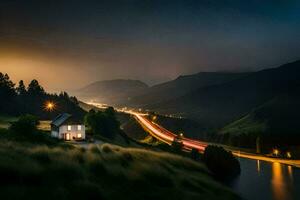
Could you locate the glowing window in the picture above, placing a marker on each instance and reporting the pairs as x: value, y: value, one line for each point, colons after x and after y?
x: 79, y: 135
x: 69, y: 128
x: 79, y: 127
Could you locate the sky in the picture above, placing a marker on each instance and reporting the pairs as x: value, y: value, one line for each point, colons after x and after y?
x: 68, y: 44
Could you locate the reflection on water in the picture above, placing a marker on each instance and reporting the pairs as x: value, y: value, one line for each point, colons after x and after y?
x: 281, y: 182
x: 290, y: 172
x: 258, y: 165
x: 265, y: 180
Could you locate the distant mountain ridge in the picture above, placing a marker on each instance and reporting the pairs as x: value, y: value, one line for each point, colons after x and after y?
x: 220, y: 104
x: 183, y: 85
x: 262, y: 102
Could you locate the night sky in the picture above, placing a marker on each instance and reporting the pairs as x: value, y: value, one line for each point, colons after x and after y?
x: 67, y: 44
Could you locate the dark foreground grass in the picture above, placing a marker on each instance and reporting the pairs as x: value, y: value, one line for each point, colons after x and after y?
x: 106, y: 172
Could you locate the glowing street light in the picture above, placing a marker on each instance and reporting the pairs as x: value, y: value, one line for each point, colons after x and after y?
x: 49, y: 106
x: 288, y: 154
x: 180, y: 135
x: 154, y: 118
x: 276, y: 152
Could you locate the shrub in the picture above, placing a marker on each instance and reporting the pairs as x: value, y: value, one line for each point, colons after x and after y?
x: 106, y: 149
x: 221, y: 162
x: 195, y: 155
x: 25, y: 125
x: 177, y: 146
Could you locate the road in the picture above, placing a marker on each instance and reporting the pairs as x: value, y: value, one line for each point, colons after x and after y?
x: 166, y: 136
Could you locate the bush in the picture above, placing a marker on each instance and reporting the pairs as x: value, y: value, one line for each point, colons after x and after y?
x: 177, y: 146
x: 221, y: 162
x: 25, y: 125
x: 195, y: 155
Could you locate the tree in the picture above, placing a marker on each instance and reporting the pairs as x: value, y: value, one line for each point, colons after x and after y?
x: 5, y: 81
x: 21, y: 89
x: 6, y: 85
x: 7, y: 94
x: 35, y: 89
x: 26, y: 125
x: 177, y: 145
x: 221, y: 162
x: 103, y: 123
x: 195, y: 155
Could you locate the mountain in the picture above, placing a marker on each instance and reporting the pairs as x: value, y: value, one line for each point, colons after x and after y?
x: 111, y: 91
x: 183, y: 85
x: 218, y: 105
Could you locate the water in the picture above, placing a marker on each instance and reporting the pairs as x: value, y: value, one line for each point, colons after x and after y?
x: 267, y: 181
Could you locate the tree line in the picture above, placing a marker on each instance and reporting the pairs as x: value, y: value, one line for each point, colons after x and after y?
x: 21, y: 99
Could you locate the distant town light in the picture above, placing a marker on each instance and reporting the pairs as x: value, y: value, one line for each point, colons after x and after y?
x: 288, y: 154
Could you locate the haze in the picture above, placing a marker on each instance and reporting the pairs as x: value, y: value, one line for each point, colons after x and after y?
x: 67, y: 45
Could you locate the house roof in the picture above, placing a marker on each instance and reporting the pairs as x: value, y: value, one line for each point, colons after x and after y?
x: 60, y: 119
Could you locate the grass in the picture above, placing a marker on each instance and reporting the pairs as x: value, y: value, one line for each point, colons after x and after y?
x: 246, y: 125
x: 101, y: 172
x: 5, y: 121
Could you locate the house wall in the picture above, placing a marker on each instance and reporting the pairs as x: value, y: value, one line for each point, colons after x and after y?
x: 73, y: 132
x: 54, y: 133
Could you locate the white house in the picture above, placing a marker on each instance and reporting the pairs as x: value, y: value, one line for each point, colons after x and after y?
x: 65, y: 127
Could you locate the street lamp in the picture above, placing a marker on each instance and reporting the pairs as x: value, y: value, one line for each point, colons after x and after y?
x: 276, y: 152
x: 180, y: 135
x: 49, y: 106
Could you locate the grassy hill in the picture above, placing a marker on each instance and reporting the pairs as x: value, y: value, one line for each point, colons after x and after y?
x: 248, y: 125
x: 6, y: 120
x: 101, y: 172
x: 276, y: 120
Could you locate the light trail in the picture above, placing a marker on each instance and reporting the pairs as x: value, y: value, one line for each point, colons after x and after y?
x: 168, y: 137
x: 190, y: 143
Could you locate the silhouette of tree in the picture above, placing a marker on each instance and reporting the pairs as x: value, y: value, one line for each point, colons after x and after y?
x: 7, y: 94
x: 103, y: 123
x: 34, y: 88
x: 21, y: 89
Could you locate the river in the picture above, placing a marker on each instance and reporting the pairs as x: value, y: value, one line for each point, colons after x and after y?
x: 267, y: 181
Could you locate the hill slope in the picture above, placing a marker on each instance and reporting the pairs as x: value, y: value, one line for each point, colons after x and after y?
x: 183, y: 85
x: 278, y: 116
x: 102, y: 172
x: 220, y: 104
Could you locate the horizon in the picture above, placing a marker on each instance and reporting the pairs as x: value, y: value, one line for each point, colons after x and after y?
x: 71, y: 90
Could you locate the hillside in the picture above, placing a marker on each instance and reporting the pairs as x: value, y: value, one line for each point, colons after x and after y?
x: 102, y: 172
x: 183, y: 85
x: 277, y: 117
x: 218, y: 105
x: 111, y: 91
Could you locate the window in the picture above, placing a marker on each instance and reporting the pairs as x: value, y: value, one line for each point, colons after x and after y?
x: 79, y: 135
x: 69, y: 127
x: 79, y: 127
